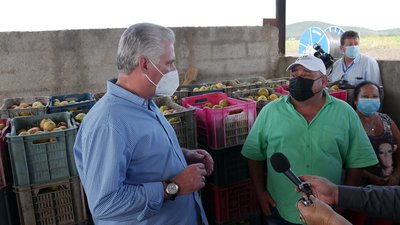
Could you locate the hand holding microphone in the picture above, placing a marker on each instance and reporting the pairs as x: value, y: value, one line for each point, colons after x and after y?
x: 281, y: 165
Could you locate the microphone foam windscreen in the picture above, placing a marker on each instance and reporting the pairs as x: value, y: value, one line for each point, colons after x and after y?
x: 279, y: 162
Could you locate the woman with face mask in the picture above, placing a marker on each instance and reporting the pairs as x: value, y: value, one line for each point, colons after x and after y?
x: 385, y: 137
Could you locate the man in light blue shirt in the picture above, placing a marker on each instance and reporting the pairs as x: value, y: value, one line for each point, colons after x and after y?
x: 127, y: 154
x: 354, y: 66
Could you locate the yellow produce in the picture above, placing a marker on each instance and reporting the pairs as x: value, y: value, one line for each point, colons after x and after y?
x: 64, y: 103
x: 33, y: 130
x: 219, y: 85
x: 49, y: 125
x: 263, y: 91
x: 208, y: 104
x: 272, y: 97
x: 334, y: 87
x: 262, y: 98
x: 2, y: 125
x: 224, y: 103
x: 79, y: 117
x: 37, y: 104
x: 23, y: 105
x: 217, y: 107
x: 163, y: 108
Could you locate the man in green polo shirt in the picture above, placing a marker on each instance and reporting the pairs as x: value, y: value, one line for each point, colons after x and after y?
x: 319, y: 134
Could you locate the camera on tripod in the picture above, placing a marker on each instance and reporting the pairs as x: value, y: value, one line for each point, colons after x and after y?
x: 325, y: 57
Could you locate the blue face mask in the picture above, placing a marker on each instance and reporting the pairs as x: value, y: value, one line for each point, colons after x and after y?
x: 368, y: 106
x: 352, y: 51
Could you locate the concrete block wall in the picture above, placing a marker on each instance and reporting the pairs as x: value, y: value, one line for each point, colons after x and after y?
x: 228, y: 52
x: 75, y: 61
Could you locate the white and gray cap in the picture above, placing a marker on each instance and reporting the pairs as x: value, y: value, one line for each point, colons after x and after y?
x: 310, y: 62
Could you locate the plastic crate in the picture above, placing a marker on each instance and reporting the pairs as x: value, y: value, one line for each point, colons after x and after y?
x: 183, y: 121
x: 7, y: 111
x: 98, y: 96
x: 250, y: 82
x: 340, y: 94
x: 83, y: 101
x: 243, y: 94
x: 224, y: 204
x: 53, y: 203
x: 230, y: 166
x: 224, y: 127
x: 273, y: 82
x: 187, y: 90
x: 252, y: 219
x: 230, y: 86
x: 5, y: 170
x: 8, y: 206
x: 44, y: 157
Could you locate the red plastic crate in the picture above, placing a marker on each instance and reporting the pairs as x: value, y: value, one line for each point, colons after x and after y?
x: 5, y: 170
x: 224, y: 127
x: 340, y: 94
x: 224, y: 204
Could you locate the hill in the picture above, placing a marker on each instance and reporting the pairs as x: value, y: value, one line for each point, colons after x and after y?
x: 295, y: 30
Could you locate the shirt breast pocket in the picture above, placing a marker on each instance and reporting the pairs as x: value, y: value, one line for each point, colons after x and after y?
x: 332, y: 140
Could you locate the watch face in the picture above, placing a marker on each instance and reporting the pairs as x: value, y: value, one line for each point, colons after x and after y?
x: 172, y: 188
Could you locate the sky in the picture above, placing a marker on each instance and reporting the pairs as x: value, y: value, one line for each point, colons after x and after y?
x: 42, y: 15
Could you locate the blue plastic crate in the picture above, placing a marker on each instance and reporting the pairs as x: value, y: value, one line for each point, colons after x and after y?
x: 83, y: 101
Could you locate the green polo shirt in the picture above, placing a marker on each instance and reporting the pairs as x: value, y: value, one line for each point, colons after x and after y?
x: 334, y: 139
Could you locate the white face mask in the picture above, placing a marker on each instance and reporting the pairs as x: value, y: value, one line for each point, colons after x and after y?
x: 168, y: 83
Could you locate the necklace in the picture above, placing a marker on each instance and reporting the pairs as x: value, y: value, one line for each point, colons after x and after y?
x: 369, y: 125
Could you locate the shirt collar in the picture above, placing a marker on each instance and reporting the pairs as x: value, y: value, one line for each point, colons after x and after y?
x: 120, y: 92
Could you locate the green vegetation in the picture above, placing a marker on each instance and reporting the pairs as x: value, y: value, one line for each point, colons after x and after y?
x: 372, y: 42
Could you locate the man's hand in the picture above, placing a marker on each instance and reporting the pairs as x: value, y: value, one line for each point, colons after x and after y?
x: 267, y: 203
x: 200, y: 156
x: 319, y: 213
x: 323, y: 189
x: 190, y: 179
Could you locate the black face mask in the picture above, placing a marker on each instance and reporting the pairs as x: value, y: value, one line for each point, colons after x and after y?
x: 301, y: 88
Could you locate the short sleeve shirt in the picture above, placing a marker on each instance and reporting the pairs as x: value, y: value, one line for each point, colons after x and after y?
x: 334, y: 139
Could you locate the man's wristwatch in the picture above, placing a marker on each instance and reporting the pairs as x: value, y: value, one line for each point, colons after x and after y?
x: 172, y: 190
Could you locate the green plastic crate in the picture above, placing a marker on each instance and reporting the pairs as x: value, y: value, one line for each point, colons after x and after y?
x: 35, y: 159
x: 55, y: 203
x: 183, y: 121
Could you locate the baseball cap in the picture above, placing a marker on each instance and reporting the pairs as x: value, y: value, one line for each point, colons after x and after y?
x: 310, y: 62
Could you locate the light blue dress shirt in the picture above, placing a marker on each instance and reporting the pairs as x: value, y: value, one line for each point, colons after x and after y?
x: 123, y: 151
x: 363, y: 68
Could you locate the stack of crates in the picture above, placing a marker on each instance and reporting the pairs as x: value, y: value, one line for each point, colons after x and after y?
x: 229, y: 197
x: 8, y: 207
x: 183, y: 121
x: 45, y: 179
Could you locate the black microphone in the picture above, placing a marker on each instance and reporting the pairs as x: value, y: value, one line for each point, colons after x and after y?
x: 281, y: 165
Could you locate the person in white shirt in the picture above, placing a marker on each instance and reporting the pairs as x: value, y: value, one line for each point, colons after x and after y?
x: 354, y: 67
